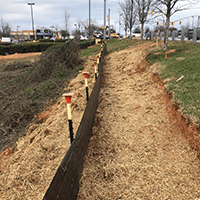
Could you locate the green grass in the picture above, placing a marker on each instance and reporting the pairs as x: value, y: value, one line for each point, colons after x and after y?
x: 115, y: 44
x: 112, y: 45
x: 185, y: 61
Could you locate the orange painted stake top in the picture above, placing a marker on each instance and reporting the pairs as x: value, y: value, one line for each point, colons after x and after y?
x: 97, y: 57
x: 68, y: 97
x: 85, y: 74
x: 166, y: 56
x: 95, y: 64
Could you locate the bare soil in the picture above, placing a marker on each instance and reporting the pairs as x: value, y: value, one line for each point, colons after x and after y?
x: 19, y: 57
x: 141, y: 148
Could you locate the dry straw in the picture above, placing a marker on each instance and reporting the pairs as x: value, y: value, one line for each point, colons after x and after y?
x: 27, y: 173
x: 134, y: 152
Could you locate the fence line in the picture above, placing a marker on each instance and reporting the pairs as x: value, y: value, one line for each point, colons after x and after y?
x: 65, y: 184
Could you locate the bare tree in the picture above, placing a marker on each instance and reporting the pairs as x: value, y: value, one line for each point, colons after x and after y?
x: 93, y: 26
x: 56, y: 26
x: 143, y: 9
x: 128, y: 12
x: 66, y: 21
x: 168, y: 8
x: 124, y: 12
x: 4, y: 28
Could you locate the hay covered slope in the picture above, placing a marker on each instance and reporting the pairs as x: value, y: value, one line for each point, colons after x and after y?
x: 134, y: 152
x: 26, y: 88
x: 28, y: 172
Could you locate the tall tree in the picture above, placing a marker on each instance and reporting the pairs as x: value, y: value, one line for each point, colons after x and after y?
x: 168, y: 8
x: 4, y: 28
x: 93, y: 26
x: 143, y: 9
x: 66, y: 21
x: 128, y: 12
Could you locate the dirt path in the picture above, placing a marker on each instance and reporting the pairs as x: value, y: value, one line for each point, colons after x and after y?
x: 134, y: 152
x: 19, y: 55
x: 4, y: 60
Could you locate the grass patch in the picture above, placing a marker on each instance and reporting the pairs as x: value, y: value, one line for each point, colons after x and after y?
x: 185, y: 61
x: 112, y: 45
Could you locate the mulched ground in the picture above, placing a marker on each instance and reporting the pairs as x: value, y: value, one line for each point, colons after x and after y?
x: 139, y: 148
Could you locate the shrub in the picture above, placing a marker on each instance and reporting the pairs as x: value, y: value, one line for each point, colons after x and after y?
x: 25, y: 48
x: 61, y: 40
x: 29, y: 86
x: 46, y: 40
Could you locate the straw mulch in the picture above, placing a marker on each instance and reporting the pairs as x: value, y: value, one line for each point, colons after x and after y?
x: 27, y: 172
x: 134, y: 152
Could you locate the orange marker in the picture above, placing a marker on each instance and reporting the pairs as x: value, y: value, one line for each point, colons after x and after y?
x: 68, y: 97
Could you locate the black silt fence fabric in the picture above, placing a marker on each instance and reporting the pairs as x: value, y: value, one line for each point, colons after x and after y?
x: 65, y: 184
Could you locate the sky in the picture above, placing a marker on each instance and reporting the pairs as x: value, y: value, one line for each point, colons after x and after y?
x: 51, y: 12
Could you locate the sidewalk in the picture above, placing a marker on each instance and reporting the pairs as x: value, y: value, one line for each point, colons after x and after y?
x: 134, y: 152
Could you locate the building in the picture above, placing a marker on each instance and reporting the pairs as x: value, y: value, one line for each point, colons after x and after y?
x: 40, y: 33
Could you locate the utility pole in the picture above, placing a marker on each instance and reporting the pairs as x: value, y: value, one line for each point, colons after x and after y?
x: 30, y: 4
x: 198, y: 28
x: 109, y: 22
x: 104, y: 33
x: 119, y: 22
x: 89, y: 18
x: 17, y: 33
x: 193, y: 23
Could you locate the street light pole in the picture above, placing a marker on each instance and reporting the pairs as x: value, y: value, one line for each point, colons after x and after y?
x: 30, y: 4
x: 17, y: 33
x: 193, y: 23
x: 119, y: 22
x: 104, y: 33
x: 89, y: 19
x: 109, y: 22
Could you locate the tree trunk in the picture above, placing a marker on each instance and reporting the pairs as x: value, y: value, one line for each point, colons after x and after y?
x: 142, y: 30
x: 125, y: 32
x: 130, y: 33
x: 166, y: 35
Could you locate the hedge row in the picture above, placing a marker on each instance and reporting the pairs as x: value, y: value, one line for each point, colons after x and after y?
x: 56, y: 40
x: 24, y: 48
x: 85, y: 44
x: 36, y: 47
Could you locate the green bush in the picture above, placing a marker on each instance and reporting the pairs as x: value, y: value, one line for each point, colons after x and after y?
x: 85, y: 44
x: 25, y: 48
x: 61, y: 40
x: 46, y: 40
x: 38, y: 47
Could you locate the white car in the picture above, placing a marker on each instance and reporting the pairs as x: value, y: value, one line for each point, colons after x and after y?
x: 83, y: 38
x: 15, y: 42
x: 53, y: 38
x: 71, y: 37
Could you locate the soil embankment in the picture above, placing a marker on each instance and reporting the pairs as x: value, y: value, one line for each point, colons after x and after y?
x: 138, y: 149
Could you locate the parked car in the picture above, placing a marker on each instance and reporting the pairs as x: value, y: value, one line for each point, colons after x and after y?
x: 53, y: 38
x: 15, y: 42
x: 71, y: 37
x: 83, y: 38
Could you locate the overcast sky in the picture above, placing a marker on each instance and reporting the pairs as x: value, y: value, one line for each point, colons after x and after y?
x: 50, y: 12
